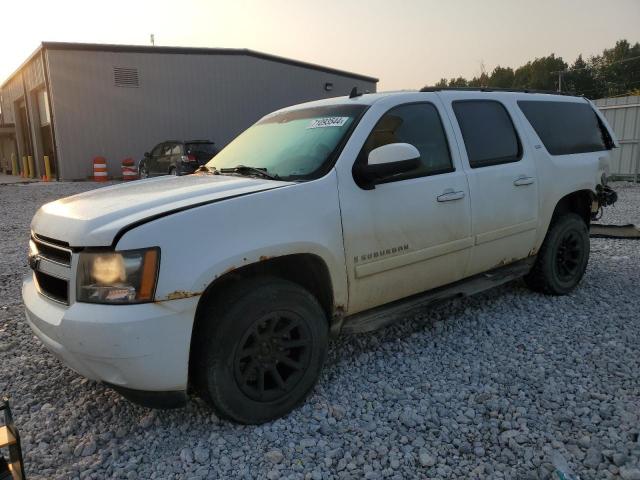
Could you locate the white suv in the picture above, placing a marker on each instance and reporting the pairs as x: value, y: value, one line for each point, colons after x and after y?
x: 327, y: 217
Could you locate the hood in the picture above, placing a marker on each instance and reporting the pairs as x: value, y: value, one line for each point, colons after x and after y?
x: 94, y: 218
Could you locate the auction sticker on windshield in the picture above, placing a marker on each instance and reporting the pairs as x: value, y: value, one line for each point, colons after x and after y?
x: 328, y: 122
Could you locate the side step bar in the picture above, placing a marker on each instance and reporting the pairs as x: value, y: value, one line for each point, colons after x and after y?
x: 384, y: 315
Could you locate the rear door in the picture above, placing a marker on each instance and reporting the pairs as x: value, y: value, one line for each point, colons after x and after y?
x: 503, y: 181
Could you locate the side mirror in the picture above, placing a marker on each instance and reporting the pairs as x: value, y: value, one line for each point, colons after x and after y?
x: 146, y: 155
x: 386, y: 161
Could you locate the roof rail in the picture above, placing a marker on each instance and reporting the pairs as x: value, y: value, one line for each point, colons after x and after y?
x: 497, y: 89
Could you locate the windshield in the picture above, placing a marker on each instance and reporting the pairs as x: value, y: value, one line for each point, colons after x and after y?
x: 293, y: 145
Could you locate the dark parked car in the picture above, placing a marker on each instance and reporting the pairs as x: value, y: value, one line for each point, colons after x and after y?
x: 174, y: 157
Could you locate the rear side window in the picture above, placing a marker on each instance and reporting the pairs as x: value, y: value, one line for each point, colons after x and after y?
x: 488, y: 132
x: 419, y: 125
x: 166, y: 150
x: 565, y: 127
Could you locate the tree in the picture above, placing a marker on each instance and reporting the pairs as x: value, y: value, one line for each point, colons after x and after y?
x: 580, y: 79
x: 618, y: 69
x: 501, y: 77
x: 615, y: 72
x: 458, y: 82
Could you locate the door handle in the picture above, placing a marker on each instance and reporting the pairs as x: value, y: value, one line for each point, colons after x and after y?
x: 449, y: 195
x: 523, y: 180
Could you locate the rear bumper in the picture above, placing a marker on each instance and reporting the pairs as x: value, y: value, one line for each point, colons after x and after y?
x: 188, y: 168
x: 135, y: 347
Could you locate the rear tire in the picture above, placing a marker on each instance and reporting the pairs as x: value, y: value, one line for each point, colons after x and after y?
x: 173, y: 171
x: 563, y: 257
x: 260, y: 349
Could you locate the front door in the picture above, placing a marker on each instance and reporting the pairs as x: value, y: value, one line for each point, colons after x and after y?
x: 152, y: 163
x: 412, y: 232
x: 503, y: 183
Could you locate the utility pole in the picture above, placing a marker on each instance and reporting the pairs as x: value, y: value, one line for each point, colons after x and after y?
x: 560, y: 81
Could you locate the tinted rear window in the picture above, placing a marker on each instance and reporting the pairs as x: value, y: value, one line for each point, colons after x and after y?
x: 565, y: 127
x: 208, y: 148
x: 488, y: 132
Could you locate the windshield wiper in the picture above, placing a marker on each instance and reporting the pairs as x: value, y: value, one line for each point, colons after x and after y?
x: 245, y: 169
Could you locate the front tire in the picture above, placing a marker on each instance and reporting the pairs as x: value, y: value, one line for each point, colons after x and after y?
x: 260, y: 349
x: 143, y: 171
x: 563, y: 257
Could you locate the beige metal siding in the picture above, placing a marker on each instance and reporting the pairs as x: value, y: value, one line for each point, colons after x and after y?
x: 10, y: 94
x: 181, y: 96
x: 623, y: 114
x: 29, y: 77
x: 34, y: 74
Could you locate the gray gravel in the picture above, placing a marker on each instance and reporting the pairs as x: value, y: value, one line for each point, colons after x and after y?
x: 501, y: 385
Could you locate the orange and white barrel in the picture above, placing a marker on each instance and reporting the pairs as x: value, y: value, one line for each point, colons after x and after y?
x: 129, y: 171
x: 99, y: 169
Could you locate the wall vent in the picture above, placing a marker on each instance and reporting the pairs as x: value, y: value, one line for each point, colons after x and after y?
x: 126, y: 77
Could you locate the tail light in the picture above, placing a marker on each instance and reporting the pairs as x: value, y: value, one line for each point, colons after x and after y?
x: 189, y: 158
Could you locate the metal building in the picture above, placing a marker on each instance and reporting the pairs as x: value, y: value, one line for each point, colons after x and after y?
x: 8, y: 151
x: 73, y: 101
x: 623, y: 114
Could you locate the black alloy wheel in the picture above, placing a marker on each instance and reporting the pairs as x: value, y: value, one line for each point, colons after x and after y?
x: 258, y: 348
x: 563, y: 256
x: 569, y: 255
x: 274, y: 354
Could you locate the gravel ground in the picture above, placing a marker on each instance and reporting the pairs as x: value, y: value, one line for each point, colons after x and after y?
x: 500, y: 385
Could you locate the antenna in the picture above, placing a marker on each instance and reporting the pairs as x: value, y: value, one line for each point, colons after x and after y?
x: 153, y: 40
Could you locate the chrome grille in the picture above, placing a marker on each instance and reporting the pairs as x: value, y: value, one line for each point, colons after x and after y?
x: 51, y: 263
x: 53, y: 250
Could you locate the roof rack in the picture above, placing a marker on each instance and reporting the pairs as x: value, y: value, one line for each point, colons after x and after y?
x: 494, y: 89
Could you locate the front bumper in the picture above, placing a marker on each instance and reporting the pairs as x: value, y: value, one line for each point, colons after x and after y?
x: 132, y: 347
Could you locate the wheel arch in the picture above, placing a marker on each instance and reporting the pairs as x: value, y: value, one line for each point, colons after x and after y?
x: 578, y: 202
x: 305, y: 269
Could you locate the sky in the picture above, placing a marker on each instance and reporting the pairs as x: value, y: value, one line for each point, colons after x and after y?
x: 405, y: 43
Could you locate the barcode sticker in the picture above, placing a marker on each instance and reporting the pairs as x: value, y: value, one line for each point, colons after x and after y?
x: 328, y: 122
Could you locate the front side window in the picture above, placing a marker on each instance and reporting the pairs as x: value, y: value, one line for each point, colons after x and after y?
x: 566, y: 127
x: 156, y: 151
x: 293, y: 145
x: 488, y: 132
x: 419, y: 125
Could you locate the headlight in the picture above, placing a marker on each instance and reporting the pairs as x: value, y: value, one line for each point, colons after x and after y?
x: 117, y: 277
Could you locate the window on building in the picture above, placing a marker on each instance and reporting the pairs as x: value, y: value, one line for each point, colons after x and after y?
x: 566, y: 127
x: 488, y: 132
